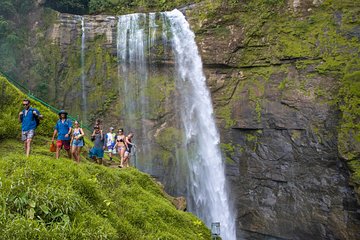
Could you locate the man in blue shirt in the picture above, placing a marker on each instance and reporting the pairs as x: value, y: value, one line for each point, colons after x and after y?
x: 29, y: 120
x: 63, y: 130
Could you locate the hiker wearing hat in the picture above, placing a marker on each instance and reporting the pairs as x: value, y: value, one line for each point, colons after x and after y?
x: 63, y: 130
x: 110, y: 142
x: 29, y: 118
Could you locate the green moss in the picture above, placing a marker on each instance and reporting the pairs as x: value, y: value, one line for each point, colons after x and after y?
x: 255, y: 95
x: 282, y: 84
x: 157, y: 92
x: 349, y: 100
x: 225, y: 113
x: 168, y: 138
x: 229, y: 150
x: 295, y: 134
x: 251, y: 138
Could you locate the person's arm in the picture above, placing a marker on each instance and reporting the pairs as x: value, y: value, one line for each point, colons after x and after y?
x: 72, y: 139
x: 126, y: 141
x: 69, y: 132
x: 93, y: 136
x: 21, y: 115
x: 37, y: 113
x: 70, y: 128
x: 54, y: 134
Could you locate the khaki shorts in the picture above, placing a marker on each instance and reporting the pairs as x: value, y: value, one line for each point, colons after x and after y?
x: 27, y: 134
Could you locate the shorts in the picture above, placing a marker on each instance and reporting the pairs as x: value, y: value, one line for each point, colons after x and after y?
x: 120, y: 148
x: 27, y: 134
x: 65, y: 143
x: 96, y: 152
x: 110, y: 148
x: 127, y: 153
x: 77, y: 143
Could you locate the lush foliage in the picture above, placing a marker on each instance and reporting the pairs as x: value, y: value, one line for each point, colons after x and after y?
x: 69, y: 6
x: 12, y: 36
x: 114, y: 6
x: 44, y: 198
x: 127, y: 6
x: 11, y: 105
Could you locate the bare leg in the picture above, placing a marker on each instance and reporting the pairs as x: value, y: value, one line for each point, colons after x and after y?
x: 73, y: 151
x: 25, y: 146
x: 57, y: 152
x: 78, y: 154
x: 28, y: 147
x: 69, y: 153
x: 121, y: 164
x: 122, y: 152
x: 126, y: 162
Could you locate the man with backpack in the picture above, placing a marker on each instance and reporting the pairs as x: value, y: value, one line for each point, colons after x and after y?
x: 29, y: 118
x: 63, y: 130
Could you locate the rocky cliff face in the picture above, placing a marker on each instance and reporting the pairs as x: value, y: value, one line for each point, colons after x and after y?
x: 279, y: 123
x: 276, y: 70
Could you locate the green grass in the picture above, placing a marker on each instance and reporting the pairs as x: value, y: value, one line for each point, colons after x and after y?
x: 45, y: 198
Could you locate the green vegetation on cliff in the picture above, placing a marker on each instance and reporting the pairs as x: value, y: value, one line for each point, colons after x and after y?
x: 310, y: 51
x: 44, y: 198
x: 118, y: 7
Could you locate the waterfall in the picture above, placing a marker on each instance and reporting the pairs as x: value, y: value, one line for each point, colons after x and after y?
x: 133, y: 71
x: 207, y: 183
x: 152, y: 30
x: 83, y: 75
x: 199, y: 151
x: 131, y: 46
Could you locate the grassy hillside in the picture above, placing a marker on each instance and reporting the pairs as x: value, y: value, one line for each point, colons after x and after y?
x: 44, y: 198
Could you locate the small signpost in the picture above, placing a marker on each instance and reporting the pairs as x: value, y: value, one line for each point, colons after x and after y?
x: 215, y: 230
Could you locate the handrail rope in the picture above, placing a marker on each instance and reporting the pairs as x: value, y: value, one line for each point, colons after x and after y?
x: 29, y: 94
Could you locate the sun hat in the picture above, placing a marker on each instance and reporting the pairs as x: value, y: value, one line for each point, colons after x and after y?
x: 62, y: 112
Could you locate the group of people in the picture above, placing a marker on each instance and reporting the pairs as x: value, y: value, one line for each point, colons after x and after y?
x: 71, y: 138
x: 114, y: 143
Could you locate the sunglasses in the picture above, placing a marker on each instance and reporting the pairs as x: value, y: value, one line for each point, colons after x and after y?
x: 25, y: 104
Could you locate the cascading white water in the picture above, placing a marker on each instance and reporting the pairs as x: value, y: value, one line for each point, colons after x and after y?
x: 207, y: 183
x: 152, y: 30
x: 132, y: 45
x: 83, y: 75
x: 206, y: 186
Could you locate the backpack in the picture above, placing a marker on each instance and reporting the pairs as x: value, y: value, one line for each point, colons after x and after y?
x: 37, y: 119
x: 83, y: 137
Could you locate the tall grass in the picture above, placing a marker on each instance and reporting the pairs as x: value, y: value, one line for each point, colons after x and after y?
x: 44, y: 198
